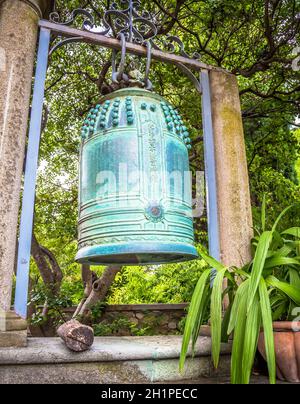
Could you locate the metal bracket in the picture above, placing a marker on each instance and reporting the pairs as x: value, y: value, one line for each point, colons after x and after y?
x: 24, y: 249
x: 210, y: 168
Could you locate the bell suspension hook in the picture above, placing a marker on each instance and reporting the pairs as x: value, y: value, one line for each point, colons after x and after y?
x: 118, y: 74
x: 148, y: 82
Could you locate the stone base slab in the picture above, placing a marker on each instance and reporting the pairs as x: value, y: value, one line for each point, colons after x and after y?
x: 16, y: 339
x: 14, y: 323
x: 111, y: 360
x: 13, y: 330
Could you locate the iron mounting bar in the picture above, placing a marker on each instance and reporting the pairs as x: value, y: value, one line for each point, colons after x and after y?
x: 112, y: 43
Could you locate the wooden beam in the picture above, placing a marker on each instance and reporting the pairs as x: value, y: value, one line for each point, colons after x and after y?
x: 112, y: 43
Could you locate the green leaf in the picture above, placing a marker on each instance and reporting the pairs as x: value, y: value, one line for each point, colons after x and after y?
x: 243, y: 288
x: 263, y: 214
x: 252, y: 330
x: 201, y: 313
x: 280, y: 217
x: 268, y: 329
x: 216, y: 316
x: 193, y: 315
x: 294, y: 278
x: 225, y: 324
x: 277, y: 241
x: 280, y: 310
x: 211, y: 261
x: 242, y: 273
x: 258, y: 264
x: 291, y: 291
x: 277, y: 261
x: 239, y: 337
x: 285, y: 250
x: 293, y: 231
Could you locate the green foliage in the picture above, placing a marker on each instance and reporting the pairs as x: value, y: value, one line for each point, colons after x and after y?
x: 55, y: 304
x: 172, y: 283
x: 265, y: 289
x: 97, y: 310
x: 122, y: 325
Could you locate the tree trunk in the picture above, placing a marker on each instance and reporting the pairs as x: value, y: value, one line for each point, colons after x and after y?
x: 100, y: 288
x: 52, y: 276
x: 47, y: 264
x: 88, y: 278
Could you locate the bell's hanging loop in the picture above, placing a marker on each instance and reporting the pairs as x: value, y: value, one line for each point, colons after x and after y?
x: 148, y: 82
x: 119, y: 74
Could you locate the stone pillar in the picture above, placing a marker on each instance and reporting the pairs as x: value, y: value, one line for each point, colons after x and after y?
x: 234, y: 205
x: 18, y: 37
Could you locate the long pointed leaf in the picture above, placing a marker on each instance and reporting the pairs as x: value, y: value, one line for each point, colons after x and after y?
x: 285, y: 250
x: 277, y: 261
x: 294, y: 278
x: 243, y: 288
x: 225, y: 324
x: 268, y: 329
x: 259, y: 263
x: 293, y: 231
x: 292, y: 292
x: 201, y: 313
x: 251, y: 339
x: 211, y: 261
x: 263, y: 214
x: 239, y: 338
x: 216, y: 316
x: 192, y: 316
x: 280, y: 217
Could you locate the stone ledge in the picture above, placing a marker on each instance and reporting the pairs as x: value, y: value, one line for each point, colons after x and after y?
x: 105, y: 349
x: 146, y: 307
x: 126, y: 372
x: 124, y: 360
x: 138, y: 307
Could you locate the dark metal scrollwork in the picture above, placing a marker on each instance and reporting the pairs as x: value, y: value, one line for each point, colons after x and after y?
x: 128, y: 23
x: 137, y: 26
x: 88, y: 21
x: 171, y: 43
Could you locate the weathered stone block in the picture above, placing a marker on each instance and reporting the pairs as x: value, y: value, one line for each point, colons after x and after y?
x: 13, y: 339
x: 172, y: 326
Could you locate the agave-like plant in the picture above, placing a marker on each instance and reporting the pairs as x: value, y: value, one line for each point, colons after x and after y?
x: 266, y: 289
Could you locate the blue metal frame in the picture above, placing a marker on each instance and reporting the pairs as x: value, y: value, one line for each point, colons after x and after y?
x: 210, y: 168
x: 27, y: 214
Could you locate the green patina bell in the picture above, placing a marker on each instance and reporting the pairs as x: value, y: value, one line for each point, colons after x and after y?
x: 135, y: 186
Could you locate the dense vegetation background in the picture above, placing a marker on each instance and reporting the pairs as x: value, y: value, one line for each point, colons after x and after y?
x: 253, y: 39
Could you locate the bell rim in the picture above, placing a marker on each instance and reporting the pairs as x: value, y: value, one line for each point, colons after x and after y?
x: 171, y: 252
